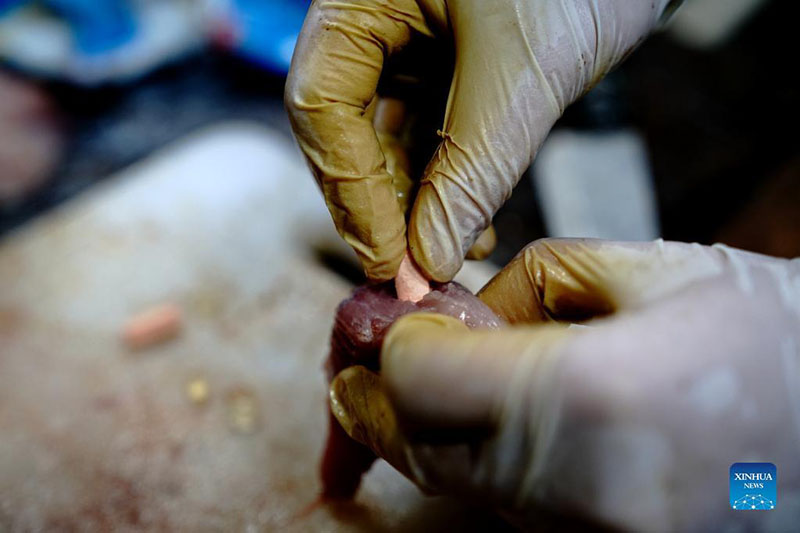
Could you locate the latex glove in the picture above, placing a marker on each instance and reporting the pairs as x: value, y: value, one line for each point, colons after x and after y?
x: 632, y: 421
x: 518, y: 64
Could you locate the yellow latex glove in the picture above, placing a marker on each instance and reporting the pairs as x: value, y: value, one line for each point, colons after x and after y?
x: 518, y: 64
x: 692, y: 364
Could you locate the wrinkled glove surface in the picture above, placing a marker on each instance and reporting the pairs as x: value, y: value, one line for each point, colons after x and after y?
x: 517, y: 65
x: 689, y: 361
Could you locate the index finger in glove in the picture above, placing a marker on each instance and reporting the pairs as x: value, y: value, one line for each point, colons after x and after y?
x: 439, y: 374
x: 335, y: 70
x: 518, y: 65
x: 577, y: 279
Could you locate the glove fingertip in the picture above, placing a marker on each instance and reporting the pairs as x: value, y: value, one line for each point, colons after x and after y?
x: 349, y: 396
x: 439, y: 261
x: 380, y: 262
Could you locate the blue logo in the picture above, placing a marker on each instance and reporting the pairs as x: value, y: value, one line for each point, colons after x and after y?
x: 753, y: 486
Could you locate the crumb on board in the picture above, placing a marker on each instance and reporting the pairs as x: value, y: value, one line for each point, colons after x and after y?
x: 197, y: 390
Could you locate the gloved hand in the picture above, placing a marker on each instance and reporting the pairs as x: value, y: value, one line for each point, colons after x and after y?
x: 691, y: 364
x: 518, y: 64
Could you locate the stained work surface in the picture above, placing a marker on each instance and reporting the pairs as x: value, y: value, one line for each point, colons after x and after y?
x: 220, y: 428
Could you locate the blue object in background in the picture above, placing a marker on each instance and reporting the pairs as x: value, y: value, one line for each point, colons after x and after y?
x: 98, y: 26
x: 266, y: 31
x: 263, y: 32
x: 8, y: 5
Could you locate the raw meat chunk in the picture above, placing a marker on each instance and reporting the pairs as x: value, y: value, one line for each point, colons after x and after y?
x: 361, y: 323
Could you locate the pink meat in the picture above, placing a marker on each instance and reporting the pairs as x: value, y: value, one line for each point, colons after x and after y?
x: 359, y: 328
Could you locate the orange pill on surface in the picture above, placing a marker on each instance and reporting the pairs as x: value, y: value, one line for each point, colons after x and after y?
x: 152, y: 326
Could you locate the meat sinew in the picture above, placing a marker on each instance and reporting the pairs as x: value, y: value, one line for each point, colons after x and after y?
x: 360, y: 325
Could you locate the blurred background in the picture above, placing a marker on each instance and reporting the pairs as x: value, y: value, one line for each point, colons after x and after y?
x: 169, y: 273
